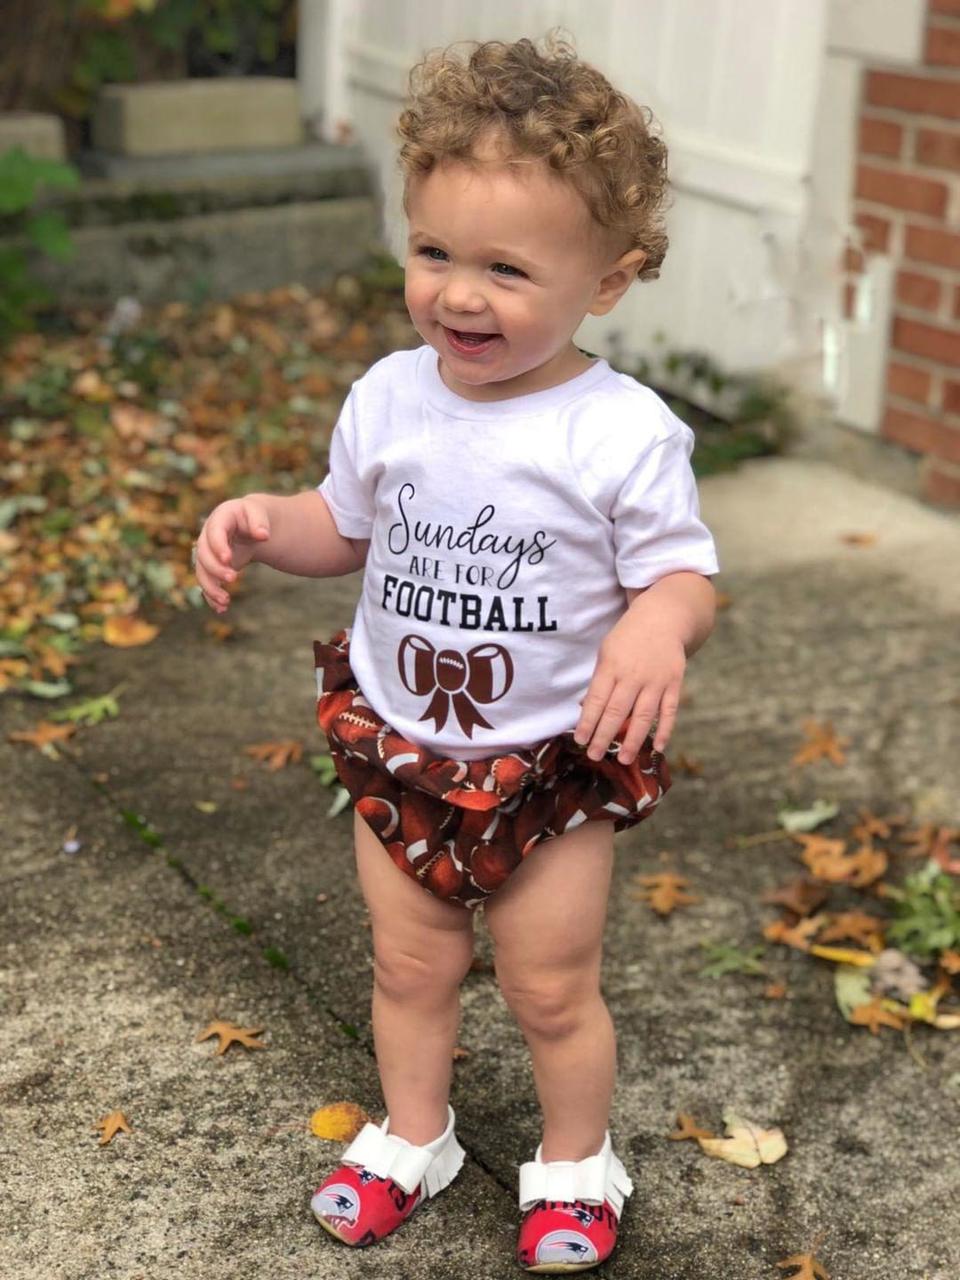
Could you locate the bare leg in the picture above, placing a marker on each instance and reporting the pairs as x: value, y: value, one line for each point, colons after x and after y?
x: 423, y: 948
x: 547, y: 924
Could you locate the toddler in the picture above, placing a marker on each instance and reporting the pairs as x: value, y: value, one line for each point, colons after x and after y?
x: 535, y: 576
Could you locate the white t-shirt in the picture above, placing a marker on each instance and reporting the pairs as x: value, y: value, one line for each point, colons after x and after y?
x: 502, y: 536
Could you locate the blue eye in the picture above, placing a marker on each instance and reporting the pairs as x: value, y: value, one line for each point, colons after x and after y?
x: 507, y: 268
x: 428, y: 249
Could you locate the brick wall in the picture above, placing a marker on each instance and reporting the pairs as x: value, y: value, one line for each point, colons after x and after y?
x: 907, y: 205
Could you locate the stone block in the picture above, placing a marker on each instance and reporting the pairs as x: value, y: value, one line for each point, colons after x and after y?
x: 216, y: 255
x: 39, y: 135
x: 190, y: 117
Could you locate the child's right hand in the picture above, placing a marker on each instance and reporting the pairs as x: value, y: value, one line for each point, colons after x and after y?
x: 226, y: 544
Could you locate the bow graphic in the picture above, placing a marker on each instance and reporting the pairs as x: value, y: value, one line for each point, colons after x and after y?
x: 483, y: 675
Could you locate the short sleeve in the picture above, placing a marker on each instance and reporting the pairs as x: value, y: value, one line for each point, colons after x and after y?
x: 656, y: 516
x: 349, y: 497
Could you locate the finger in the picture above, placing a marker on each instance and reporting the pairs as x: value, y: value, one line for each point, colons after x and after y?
x: 644, y: 713
x: 253, y: 519
x: 591, y: 708
x: 213, y: 545
x: 211, y: 583
x: 614, y: 713
x: 667, y: 717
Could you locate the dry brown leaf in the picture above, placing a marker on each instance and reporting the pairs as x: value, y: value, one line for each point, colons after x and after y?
x: 688, y: 1128
x: 45, y: 731
x: 228, y: 1034
x: 809, y: 1267
x: 126, y: 631
x: 797, y: 935
x: 665, y: 893
x: 871, y: 825
x: 775, y: 991
x: 874, y: 1015
x: 802, y: 896
x: 821, y: 742
x: 278, y: 754
x: 111, y: 1124
x: 857, y: 926
x: 338, y: 1121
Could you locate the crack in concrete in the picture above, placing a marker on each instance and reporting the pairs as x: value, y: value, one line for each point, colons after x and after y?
x: 180, y: 867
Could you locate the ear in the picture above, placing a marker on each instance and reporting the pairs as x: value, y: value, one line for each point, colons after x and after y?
x: 615, y: 281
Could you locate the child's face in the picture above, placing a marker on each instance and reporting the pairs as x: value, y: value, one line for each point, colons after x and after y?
x: 513, y: 256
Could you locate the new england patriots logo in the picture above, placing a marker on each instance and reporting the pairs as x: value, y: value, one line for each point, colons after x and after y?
x: 581, y: 1215
x: 338, y: 1203
x: 566, y: 1246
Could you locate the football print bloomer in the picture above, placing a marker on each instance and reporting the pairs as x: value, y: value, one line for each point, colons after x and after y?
x: 460, y: 827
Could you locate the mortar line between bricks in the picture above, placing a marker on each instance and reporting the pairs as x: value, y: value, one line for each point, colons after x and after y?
x: 179, y: 867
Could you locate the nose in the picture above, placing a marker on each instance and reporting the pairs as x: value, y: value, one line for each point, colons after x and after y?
x: 460, y: 294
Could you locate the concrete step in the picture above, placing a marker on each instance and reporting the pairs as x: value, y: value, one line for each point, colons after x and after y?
x: 163, y: 228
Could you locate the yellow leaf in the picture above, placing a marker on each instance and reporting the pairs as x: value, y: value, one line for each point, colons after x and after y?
x: 844, y: 955
x: 125, y: 632
x: 338, y: 1122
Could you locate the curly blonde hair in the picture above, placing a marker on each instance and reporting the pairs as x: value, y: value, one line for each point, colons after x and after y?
x: 547, y: 105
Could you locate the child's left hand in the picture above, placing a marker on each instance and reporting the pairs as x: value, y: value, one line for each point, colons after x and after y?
x: 639, y: 669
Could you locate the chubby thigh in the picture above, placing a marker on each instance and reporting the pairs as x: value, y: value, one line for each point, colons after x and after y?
x: 422, y: 945
x: 547, y: 923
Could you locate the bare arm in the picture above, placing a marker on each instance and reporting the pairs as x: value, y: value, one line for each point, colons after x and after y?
x: 641, y: 663
x: 304, y: 539
x: 684, y: 600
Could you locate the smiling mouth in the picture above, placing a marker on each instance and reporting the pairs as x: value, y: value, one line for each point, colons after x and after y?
x: 469, y: 338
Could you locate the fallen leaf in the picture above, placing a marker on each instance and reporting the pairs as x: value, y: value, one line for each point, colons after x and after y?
x: 821, y: 742
x: 44, y: 732
x: 809, y: 1267
x: 228, y: 1034
x: 125, y: 632
x: 875, y: 1014
x: 665, y: 893
x: 797, y: 935
x: 857, y: 926
x: 844, y: 955
x: 775, y: 991
x: 111, y: 1124
x: 806, y: 819
x: 460, y: 1053
x: 802, y: 896
x: 338, y: 1121
x: 276, y: 755
x: 748, y: 1145
x: 688, y: 1128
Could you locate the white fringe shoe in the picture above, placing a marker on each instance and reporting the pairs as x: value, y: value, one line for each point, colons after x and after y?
x: 571, y: 1210
x: 381, y: 1179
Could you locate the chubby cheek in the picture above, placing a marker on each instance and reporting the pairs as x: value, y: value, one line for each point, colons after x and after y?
x: 419, y: 297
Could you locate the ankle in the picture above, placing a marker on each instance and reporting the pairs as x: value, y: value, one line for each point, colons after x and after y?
x: 414, y: 1128
x: 561, y: 1147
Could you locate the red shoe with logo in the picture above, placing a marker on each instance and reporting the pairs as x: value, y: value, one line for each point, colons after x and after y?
x: 381, y: 1179
x: 571, y: 1211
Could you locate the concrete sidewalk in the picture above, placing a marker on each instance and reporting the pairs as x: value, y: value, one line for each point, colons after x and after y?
x: 116, y: 956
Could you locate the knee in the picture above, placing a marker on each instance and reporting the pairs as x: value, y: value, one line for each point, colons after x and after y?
x: 550, y: 1008
x: 422, y: 977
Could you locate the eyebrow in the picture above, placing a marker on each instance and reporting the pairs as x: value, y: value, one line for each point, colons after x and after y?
x: 492, y: 252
